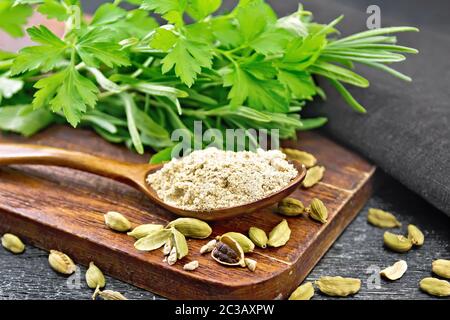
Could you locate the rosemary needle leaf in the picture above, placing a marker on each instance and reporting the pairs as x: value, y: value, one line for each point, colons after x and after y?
x: 347, y: 96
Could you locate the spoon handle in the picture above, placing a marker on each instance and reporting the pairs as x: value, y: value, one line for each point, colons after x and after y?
x: 34, y: 154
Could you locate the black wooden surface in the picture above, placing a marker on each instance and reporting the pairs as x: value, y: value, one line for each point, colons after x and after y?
x: 359, y: 252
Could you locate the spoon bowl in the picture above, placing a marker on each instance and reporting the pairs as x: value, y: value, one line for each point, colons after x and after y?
x: 134, y: 175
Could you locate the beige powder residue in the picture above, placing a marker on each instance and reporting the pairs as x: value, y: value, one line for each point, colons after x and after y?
x: 211, y: 178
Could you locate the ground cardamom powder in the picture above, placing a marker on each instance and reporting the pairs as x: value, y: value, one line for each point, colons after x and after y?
x: 211, y: 178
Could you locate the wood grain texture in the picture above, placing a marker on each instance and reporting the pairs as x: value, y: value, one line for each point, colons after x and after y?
x: 58, y: 208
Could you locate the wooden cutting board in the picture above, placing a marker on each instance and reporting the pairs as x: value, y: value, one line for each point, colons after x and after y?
x: 62, y: 209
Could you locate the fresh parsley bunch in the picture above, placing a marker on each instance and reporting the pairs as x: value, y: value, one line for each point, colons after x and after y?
x: 134, y: 81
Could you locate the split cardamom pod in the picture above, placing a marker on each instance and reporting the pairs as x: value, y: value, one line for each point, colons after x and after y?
x: 180, y: 243
x: 382, y: 219
x: 303, y: 292
x: 338, y: 286
x: 153, y: 241
x: 95, y: 277
x: 395, y: 271
x: 318, y: 211
x: 228, y: 252
x: 313, y: 175
x: 305, y: 158
x: 144, y: 230
x: 108, y: 295
x: 208, y: 247
x: 191, y: 266
x: 279, y: 235
x: 117, y: 222
x: 61, y: 262
x: 251, y: 264
x: 397, y: 242
x: 12, y: 243
x: 441, y: 267
x: 290, y: 207
x: 258, y: 236
x: 415, y: 235
x: 246, y: 244
x: 435, y: 287
x: 191, y: 227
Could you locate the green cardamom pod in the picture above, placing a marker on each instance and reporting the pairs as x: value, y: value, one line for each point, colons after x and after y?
x: 395, y: 271
x: 313, y: 175
x: 108, y: 295
x: 180, y: 243
x: 228, y: 252
x: 95, y: 277
x: 338, y: 286
x: 318, y: 211
x: 61, y: 262
x: 117, y: 222
x: 153, y: 241
x: 303, y: 292
x: 441, y: 267
x: 415, y: 235
x: 191, y: 227
x: 12, y: 243
x: 246, y: 244
x: 279, y: 235
x: 305, y: 158
x: 382, y: 219
x: 435, y: 287
x: 397, y: 242
x: 144, y: 230
x: 258, y: 236
x: 291, y: 207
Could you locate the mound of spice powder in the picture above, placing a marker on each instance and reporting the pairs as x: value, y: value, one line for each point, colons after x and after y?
x: 211, y: 178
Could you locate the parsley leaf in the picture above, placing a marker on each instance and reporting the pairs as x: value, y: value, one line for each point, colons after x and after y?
x: 53, y: 10
x: 271, y: 41
x: 199, y: 9
x: 171, y: 10
x: 12, y: 18
x: 253, y: 17
x: 163, y: 39
x: 300, y: 83
x: 46, y: 56
x: 107, y: 13
x: 15, y: 119
x: 9, y: 87
x: 253, y: 82
x: 187, y: 58
x: 68, y: 91
x: 97, y: 45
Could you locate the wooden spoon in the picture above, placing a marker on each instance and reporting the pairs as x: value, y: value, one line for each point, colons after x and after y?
x: 133, y: 174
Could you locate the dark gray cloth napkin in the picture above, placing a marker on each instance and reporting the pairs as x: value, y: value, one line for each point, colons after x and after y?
x: 406, y: 131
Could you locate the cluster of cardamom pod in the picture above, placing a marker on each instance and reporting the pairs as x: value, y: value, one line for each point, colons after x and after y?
x: 400, y: 243
x: 314, y: 174
x: 293, y: 207
x: 230, y: 248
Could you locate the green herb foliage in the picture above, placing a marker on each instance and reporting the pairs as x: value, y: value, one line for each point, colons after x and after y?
x: 134, y: 81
